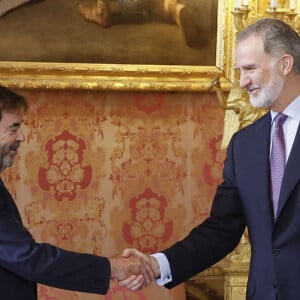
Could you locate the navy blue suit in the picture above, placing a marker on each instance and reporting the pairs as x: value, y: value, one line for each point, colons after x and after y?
x: 244, y: 199
x: 23, y: 262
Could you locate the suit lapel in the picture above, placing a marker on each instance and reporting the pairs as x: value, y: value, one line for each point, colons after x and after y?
x: 292, y: 173
x: 257, y: 160
x: 263, y: 171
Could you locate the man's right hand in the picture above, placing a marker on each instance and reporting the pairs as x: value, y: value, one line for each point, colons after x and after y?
x: 138, y: 283
x: 132, y: 269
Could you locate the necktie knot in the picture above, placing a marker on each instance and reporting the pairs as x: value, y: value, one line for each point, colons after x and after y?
x: 280, y: 119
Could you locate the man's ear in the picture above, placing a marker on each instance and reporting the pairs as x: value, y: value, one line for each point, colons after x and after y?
x: 287, y: 63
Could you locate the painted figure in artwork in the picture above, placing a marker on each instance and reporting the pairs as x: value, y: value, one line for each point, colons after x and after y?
x: 6, y: 6
x: 174, y: 11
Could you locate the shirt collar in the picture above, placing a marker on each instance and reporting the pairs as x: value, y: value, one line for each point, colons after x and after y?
x: 292, y: 110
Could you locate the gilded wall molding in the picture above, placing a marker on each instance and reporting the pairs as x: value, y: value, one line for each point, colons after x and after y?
x: 48, y: 75
x: 108, y: 77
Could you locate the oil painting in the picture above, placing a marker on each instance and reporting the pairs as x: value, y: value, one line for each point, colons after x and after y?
x: 154, y: 32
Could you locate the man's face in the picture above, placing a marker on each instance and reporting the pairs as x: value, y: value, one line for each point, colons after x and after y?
x: 11, y: 136
x: 259, y: 72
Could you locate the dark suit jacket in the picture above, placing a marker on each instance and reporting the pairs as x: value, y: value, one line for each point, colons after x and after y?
x: 243, y: 199
x: 23, y: 262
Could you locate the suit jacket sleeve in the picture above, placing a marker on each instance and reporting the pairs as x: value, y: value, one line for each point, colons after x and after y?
x: 45, y: 263
x: 217, y: 236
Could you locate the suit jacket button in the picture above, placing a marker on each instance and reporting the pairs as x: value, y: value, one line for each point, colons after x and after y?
x: 276, y: 252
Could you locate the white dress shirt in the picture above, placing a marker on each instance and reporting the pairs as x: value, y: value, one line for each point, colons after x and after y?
x: 290, y: 126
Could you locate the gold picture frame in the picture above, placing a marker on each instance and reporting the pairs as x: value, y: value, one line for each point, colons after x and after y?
x: 128, y: 77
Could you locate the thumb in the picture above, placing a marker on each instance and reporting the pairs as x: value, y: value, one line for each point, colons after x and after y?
x: 126, y: 253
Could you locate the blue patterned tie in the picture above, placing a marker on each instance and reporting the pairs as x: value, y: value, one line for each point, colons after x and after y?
x: 277, y: 159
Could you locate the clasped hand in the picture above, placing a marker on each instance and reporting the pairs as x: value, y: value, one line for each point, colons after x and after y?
x: 134, y: 269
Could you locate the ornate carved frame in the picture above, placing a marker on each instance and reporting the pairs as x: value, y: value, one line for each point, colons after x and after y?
x: 33, y: 75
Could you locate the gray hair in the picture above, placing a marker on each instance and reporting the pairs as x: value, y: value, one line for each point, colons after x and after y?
x: 278, y: 37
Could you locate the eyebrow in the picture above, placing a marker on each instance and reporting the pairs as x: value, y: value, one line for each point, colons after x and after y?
x: 247, y: 66
x: 16, y: 124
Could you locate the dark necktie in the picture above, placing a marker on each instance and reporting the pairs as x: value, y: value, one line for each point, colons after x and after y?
x: 277, y: 159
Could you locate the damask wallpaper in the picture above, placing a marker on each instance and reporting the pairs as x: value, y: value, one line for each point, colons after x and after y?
x: 101, y: 171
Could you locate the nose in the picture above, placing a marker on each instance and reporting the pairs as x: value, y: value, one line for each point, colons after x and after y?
x: 20, y: 135
x: 244, y: 80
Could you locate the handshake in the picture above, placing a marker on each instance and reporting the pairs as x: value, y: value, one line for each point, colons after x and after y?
x: 133, y: 269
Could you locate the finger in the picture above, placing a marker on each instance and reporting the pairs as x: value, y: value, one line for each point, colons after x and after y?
x: 147, y: 272
x: 125, y: 253
x: 128, y: 281
x: 129, y: 252
x: 137, y: 284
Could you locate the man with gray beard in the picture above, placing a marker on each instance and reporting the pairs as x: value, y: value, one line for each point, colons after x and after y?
x: 261, y: 178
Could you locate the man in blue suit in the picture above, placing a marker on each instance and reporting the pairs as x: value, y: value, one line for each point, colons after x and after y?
x: 268, y: 59
x: 23, y: 262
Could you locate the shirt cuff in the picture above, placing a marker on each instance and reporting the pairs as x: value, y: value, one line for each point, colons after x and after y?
x: 165, y: 270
